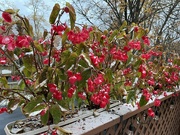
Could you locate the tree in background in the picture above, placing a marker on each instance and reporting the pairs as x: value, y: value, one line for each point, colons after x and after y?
x: 38, y: 9
x: 160, y: 17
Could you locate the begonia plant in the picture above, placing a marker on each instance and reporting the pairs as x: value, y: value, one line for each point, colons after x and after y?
x: 72, y: 65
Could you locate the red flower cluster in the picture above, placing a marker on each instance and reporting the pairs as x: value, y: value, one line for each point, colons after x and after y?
x: 7, y: 17
x: 128, y: 83
x: 71, y: 91
x: 79, y: 37
x: 136, y: 28
x: 146, y: 40
x: 73, y: 78
x: 151, y: 81
x: 96, y: 60
x: 15, y: 78
x: 165, y: 94
x: 102, y: 97
x: 157, y: 102
x: 3, y: 109
x: 43, y: 112
x: 171, y: 78
x: 146, y: 94
x: 99, y: 97
x: 81, y: 95
x: 151, y: 112
x: 142, y: 69
x: 58, y: 29
x: 46, y: 61
x: 127, y: 71
x: 118, y: 54
x: 136, y: 45
x: 56, y: 55
x: 66, y: 9
x: 146, y: 56
x: 99, y: 80
x: 54, y: 90
x: 12, y: 42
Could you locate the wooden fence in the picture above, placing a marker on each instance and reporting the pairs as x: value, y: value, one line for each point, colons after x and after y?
x: 121, y: 118
x: 167, y: 122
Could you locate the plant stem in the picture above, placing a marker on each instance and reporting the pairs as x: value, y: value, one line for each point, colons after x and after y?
x: 13, y: 90
x: 7, y: 55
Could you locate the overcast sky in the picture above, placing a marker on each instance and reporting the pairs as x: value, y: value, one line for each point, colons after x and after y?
x: 20, y: 4
x: 25, y: 11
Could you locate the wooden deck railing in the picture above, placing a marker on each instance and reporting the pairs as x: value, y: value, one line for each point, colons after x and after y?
x: 118, y: 120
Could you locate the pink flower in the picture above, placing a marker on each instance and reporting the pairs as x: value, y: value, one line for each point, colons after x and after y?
x: 135, y: 45
x: 151, y: 82
x: 91, y: 86
x: 78, y: 37
x: 118, y: 54
x: 151, y: 112
x: 23, y: 41
x: 145, y: 56
x: 78, y: 76
x: 72, y: 79
x: 157, y: 102
x: 136, y: 28
x: 46, y: 61
x: 146, y: 40
x: 99, y: 80
x: 146, y: 94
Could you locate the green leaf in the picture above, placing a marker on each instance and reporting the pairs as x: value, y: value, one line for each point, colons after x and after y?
x: 72, y: 14
x: 87, y: 59
x: 130, y: 55
x: 13, y: 104
x: 138, y: 63
x: 29, y: 28
x: 33, y: 103
x: 45, y: 33
x: 54, y: 13
x: 22, y: 85
x: 43, y: 75
x: 28, y: 62
x: 26, y: 72
x: 123, y: 26
x: 109, y: 75
x: 141, y: 32
x: 64, y: 36
x: 65, y: 55
x: 4, y: 82
x: 38, y: 46
x: 71, y: 60
x: 10, y: 11
x: 45, y: 118
x: 114, y: 33
x: 83, y: 63
x: 86, y: 74
x: 177, y: 61
x: 17, y: 51
x: 56, y: 113
x: 37, y: 109
x: 81, y: 48
x: 131, y: 95
x: 142, y: 101
x: 61, y: 74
